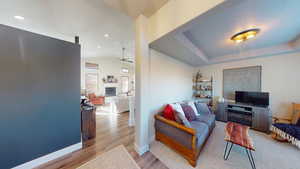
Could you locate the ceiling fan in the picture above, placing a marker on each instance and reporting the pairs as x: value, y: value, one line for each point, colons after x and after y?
x: 125, y: 59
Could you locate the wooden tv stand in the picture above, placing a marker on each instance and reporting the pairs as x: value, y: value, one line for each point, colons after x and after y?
x: 258, y: 118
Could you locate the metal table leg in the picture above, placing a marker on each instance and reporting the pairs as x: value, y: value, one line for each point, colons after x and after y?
x: 250, y: 157
x: 226, y: 154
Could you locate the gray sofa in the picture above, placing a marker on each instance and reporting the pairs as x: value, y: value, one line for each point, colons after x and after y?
x: 187, y: 141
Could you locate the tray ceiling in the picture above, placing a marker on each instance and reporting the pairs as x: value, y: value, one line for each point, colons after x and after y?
x: 206, y: 39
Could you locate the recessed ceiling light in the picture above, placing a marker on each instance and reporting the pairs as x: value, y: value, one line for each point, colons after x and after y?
x: 99, y: 47
x: 106, y: 35
x: 19, y: 17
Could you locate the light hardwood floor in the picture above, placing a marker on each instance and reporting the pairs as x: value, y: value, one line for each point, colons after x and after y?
x: 112, y: 130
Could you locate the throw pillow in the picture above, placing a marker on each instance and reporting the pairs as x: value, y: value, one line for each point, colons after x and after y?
x: 177, y: 117
x: 202, y: 108
x: 168, y: 113
x: 177, y: 107
x: 189, y: 112
x: 179, y: 114
x: 180, y: 118
x: 192, y: 104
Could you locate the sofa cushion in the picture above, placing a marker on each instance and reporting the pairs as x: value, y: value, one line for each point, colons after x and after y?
x: 208, y: 119
x: 168, y: 113
x: 202, y: 132
x: 202, y: 108
x: 189, y: 112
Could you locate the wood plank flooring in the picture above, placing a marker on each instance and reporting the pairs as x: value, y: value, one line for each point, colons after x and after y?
x: 112, y: 130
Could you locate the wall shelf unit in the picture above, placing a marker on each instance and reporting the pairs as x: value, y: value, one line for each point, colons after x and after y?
x: 203, y: 88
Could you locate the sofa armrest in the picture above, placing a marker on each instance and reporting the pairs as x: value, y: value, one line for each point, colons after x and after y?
x: 176, y: 125
x: 178, y: 133
x: 281, y: 120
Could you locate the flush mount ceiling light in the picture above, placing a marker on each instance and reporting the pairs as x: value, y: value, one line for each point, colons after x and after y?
x: 244, y: 35
x: 106, y: 35
x: 19, y: 17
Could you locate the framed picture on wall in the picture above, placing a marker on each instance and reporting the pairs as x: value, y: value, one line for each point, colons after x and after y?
x: 241, y: 79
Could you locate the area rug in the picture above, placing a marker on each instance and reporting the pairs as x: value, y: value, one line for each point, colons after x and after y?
x: 269, y: 153
x: 117, y: 158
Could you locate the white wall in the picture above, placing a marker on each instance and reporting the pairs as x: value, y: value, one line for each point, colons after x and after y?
x: 159, y: 68
x: 109, y: 66
x: 170, y: 81
x: 142, y: 98
x: 280, y: 77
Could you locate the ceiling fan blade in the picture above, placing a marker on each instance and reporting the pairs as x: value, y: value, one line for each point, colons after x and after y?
x: 126, y: 60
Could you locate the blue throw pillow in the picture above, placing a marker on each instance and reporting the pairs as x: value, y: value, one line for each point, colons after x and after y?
x: 202, y: 108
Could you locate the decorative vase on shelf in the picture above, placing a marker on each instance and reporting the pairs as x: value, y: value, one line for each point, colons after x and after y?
x: 198, y: 76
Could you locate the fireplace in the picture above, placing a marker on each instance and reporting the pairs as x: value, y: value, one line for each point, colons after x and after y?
x: 110, y: 91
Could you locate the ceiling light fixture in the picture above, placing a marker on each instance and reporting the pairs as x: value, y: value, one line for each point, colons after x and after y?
x: 106, y: 35
x: 99, y: 47
x: 244, y: 35
x: 19, y: 17
x: 125, y: 59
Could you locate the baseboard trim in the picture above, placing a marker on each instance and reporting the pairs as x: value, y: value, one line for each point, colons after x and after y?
x: 141, y: 150
x: 49, y: 157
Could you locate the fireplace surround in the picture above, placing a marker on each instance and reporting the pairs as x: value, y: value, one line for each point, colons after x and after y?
x: 110, y: 91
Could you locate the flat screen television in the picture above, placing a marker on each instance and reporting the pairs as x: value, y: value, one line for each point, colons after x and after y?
x: 254, y: 98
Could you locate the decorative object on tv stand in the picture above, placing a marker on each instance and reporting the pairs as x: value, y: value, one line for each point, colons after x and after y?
x: 203, y: 87
x: 110, y: 79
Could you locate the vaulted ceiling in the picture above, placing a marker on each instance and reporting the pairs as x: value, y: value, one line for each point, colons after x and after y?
x: 206, y: 39
x: 65, y: 19
x: 134, y: 8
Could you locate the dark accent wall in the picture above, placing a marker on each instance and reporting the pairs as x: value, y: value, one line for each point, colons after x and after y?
x: 39, y: 95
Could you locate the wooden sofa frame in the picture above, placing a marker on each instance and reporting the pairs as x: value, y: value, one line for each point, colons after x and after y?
x: 191, y: 155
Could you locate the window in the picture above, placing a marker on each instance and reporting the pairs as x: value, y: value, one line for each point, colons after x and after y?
x: 125, y: 70
x: 125, y: 84
x: 91, y: 77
